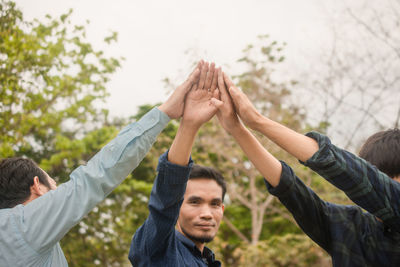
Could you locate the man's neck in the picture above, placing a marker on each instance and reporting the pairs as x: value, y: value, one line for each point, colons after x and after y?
x: 200, y: 246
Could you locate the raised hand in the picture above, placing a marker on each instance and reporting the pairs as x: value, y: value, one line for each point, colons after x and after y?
x: 244, y: 108
x: 174, y: 106
x: 226, y: 111
x: 198, y: 108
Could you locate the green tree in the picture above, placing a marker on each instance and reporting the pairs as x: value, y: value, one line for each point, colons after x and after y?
x: 52, y: 81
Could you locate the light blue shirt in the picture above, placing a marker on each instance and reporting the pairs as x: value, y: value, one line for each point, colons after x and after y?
x: 29, y: 235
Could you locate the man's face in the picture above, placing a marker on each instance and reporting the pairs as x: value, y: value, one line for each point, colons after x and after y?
x: 201, y: 211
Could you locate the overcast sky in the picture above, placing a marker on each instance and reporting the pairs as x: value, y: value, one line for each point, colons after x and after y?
x: 154, y: 35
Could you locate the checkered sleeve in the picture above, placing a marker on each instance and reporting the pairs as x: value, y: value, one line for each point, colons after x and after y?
x: 362, y: 182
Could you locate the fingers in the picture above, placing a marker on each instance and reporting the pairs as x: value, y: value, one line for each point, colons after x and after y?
x: 209, y: 76
x: 198, y: 66
x: 193, y: 77
x: 221, y: 84
x: 235, y: 96
x: 214, y: 81
x: 228, y: 81
x: 203, y: 74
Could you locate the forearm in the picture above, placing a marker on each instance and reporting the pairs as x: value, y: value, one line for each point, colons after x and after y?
x: 298, y: 145
x: 264, y: 162
x: 181, y: 147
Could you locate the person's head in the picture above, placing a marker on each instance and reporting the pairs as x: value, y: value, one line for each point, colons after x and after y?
x: 21, y: 181
x: 202, y: 208
x: 382, y: 149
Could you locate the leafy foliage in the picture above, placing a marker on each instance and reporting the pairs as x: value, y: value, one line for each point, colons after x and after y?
x: 51, y: 83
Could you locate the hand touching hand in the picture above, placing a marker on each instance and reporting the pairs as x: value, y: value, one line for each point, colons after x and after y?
x: 226, y: 111
x: 198, y: 108
x: 244, y: 108
x: 174, y: 106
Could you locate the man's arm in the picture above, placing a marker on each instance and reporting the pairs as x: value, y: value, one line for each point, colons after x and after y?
x: 311, y: 213
x: 300, y: 146
x: 174, y: 167
x: 363, y: 183
x: 48, y: 218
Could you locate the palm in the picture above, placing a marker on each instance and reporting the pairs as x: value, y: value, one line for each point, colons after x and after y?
x: 197, y: 107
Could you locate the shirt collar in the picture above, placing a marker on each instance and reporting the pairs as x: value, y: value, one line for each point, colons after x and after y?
x: 207, y: 253
x: 186, y: 241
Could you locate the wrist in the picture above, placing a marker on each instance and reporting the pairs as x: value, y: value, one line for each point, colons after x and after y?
x: 258, y: 123
x: 238, y: 131
x: 189, y: 127
x: 164, y: 108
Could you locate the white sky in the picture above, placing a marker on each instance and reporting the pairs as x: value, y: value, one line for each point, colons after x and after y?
x: 154, y: 35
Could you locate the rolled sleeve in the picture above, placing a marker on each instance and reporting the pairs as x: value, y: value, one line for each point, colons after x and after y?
x: 286, y: 182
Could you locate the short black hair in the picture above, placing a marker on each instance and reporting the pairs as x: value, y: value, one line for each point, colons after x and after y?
x: 199, y: 171
x: 382, y: 149
x: 16, y: 178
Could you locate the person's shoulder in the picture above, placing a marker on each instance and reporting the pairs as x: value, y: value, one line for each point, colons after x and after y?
x: 14, y: 210
x: 9, y: 215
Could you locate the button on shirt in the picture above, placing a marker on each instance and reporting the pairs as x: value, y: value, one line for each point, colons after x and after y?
x: 156, y: 242
x: 351, y: 236
x: 29, y: 234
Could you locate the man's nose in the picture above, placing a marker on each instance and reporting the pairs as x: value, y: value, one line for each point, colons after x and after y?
x: 205, y: 213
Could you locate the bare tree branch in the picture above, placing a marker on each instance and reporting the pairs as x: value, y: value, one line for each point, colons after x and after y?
x: 235, y: 230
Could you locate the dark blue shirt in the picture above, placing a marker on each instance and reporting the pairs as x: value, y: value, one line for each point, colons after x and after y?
x: 156, y: 242
x: 351, y: 236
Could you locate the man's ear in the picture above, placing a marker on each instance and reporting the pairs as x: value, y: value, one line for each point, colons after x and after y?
x: 223, y: 208
x: 37, y: 188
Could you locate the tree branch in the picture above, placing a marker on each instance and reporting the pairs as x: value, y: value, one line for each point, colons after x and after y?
x: 235, y: 230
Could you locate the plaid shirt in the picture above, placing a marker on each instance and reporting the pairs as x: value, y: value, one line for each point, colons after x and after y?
x: 352, y: 237
x: 156, y: 242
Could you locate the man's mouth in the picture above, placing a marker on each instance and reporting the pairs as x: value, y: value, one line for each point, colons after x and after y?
x: 205, y: 225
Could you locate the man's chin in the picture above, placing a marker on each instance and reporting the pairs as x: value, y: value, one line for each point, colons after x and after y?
x: 198, y: 238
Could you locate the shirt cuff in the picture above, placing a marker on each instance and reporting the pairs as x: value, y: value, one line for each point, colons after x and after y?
x: 286, y: 182
x: 176, y: 174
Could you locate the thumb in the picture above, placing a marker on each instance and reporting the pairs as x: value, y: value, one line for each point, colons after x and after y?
x: 216, y: 103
